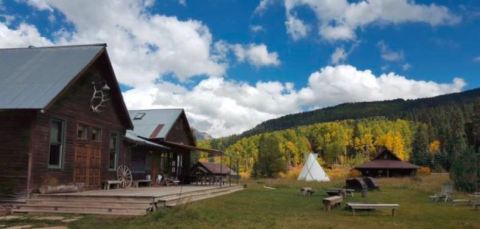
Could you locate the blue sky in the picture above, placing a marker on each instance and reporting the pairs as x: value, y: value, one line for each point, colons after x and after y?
x: 235, y: 63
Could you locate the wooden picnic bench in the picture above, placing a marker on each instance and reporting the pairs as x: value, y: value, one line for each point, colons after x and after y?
x: 137, y: 183
x: 332, y: 201
x: 340, y: 192
x: 108, y: 183
x: 307, y: 191
x: 365, y: 206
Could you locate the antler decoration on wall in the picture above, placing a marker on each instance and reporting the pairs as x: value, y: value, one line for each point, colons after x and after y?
x: 99, y: 97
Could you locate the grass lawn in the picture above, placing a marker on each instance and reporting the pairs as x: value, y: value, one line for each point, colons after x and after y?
x: 258, y: 207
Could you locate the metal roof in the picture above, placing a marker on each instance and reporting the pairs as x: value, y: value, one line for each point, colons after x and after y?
x: 154, y: 123
x: 132, y: 137
x: 32, y: 77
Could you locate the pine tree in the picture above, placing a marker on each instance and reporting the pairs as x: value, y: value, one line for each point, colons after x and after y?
x: 420, y: 146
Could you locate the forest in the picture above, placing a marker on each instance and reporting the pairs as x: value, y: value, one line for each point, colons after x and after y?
x: 439, y: 133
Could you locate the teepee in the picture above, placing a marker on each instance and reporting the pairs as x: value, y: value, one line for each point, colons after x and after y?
x: 312, y: 171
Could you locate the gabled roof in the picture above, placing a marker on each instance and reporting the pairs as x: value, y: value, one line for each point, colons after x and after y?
x: 34, y: 77
x: 30, y: 78
x: 387, y: 155
x: 387, y: 160
x: 154, y: 124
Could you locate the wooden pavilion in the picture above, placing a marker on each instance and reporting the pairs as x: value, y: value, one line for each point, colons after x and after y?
x: 387, y: 164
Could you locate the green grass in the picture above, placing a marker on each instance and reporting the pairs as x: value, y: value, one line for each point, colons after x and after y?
x: 258, y: 207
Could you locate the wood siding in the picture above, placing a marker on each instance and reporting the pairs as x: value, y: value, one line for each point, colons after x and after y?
x: 14, y: 150
x: 73, y: 107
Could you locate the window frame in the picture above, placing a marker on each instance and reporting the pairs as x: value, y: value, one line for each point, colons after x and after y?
x: 62, y: 143
x: 99, y: 134
x: 117, y: 151
x: 79, y: 124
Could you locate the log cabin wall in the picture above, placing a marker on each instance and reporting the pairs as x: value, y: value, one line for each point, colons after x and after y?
x: 73, y: 107
x: 14, y: 150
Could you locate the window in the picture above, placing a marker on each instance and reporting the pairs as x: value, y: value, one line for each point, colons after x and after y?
x: 82, y: 132
x: 113, y: 151
x: 96, y: 134
x: 57, y: 143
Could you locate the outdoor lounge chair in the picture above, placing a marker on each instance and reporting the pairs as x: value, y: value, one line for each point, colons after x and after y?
x: 445, y: 194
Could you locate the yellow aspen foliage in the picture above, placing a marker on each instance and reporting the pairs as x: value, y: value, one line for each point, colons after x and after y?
x: 434, y: 147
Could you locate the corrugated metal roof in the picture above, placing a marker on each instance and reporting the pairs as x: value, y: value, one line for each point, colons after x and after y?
x: 130, y: 136
x: 32, y: 77
x: 154, y: 123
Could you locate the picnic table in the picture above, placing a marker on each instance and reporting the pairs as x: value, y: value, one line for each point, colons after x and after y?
x: 307, y: 191
x: 367, y: 206
x: 332, y: 201
x: 340, y: 191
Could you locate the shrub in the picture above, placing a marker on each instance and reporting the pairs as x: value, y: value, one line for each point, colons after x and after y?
x: 355, y: 173
x: 424, y: 171
x: 292, y: 173
x: 465, y: 171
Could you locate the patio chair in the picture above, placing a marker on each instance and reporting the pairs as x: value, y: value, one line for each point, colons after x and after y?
x: 445, y: 194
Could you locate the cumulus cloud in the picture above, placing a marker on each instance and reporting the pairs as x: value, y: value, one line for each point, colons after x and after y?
x: 338, y: 56
x: 224, y: 107
x: 339, y: 19
x: 143, y: 46
x: 345, y: 83
x: 256, y: 55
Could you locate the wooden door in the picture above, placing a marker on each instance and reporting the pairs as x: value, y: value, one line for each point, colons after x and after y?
x: 87, y: 167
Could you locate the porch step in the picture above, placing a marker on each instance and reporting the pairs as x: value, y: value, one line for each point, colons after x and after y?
x: 174, y: 200
x: 79, y: 211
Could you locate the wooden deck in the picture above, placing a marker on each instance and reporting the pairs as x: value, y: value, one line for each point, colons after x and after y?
x: 131, y: 201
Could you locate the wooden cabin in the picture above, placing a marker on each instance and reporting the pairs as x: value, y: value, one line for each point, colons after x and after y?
x: 387, y: 164
x: 170, y: 143
x: 62, y: 118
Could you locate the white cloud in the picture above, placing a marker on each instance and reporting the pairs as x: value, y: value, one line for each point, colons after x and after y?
x: 388, y: 54
x: 224, y: 107
x: 256, y: 55
x: 262, y: 6
x: 406, y: 66
x: 338, y: 56
x: 296, y: 28
x: 217, y: 106
x: 182, y: 2
x: 256, y: 28
x: 339, y: 19
x: 476, y: 59
x: 345, y: 83
x: 143, y: 46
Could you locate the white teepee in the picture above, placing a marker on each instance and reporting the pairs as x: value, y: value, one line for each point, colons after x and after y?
x: 312, y: 171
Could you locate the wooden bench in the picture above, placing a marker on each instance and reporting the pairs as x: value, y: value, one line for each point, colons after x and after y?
x: 456, y: 202
x: 363, y: 206
x: 136, y: 183
x: 331, y: 202
x: 107, y: 184
x: 307, y: 191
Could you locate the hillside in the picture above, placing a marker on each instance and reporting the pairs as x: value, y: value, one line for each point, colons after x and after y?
x: 398, y: 108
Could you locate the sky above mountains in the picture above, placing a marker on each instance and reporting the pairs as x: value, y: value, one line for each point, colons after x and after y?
x: 235, y: 63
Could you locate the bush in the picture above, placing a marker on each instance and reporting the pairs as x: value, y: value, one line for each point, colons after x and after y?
x: 424, y: 171
x: 355, y: 173
x: 292, y: 173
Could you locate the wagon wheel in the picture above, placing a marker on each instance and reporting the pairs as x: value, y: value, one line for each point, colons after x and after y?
x: 124, y: 175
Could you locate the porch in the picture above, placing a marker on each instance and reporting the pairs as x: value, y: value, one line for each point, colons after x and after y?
x: 129, y: 202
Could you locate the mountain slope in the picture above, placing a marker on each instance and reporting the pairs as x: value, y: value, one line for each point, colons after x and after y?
x: 398, y: 108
